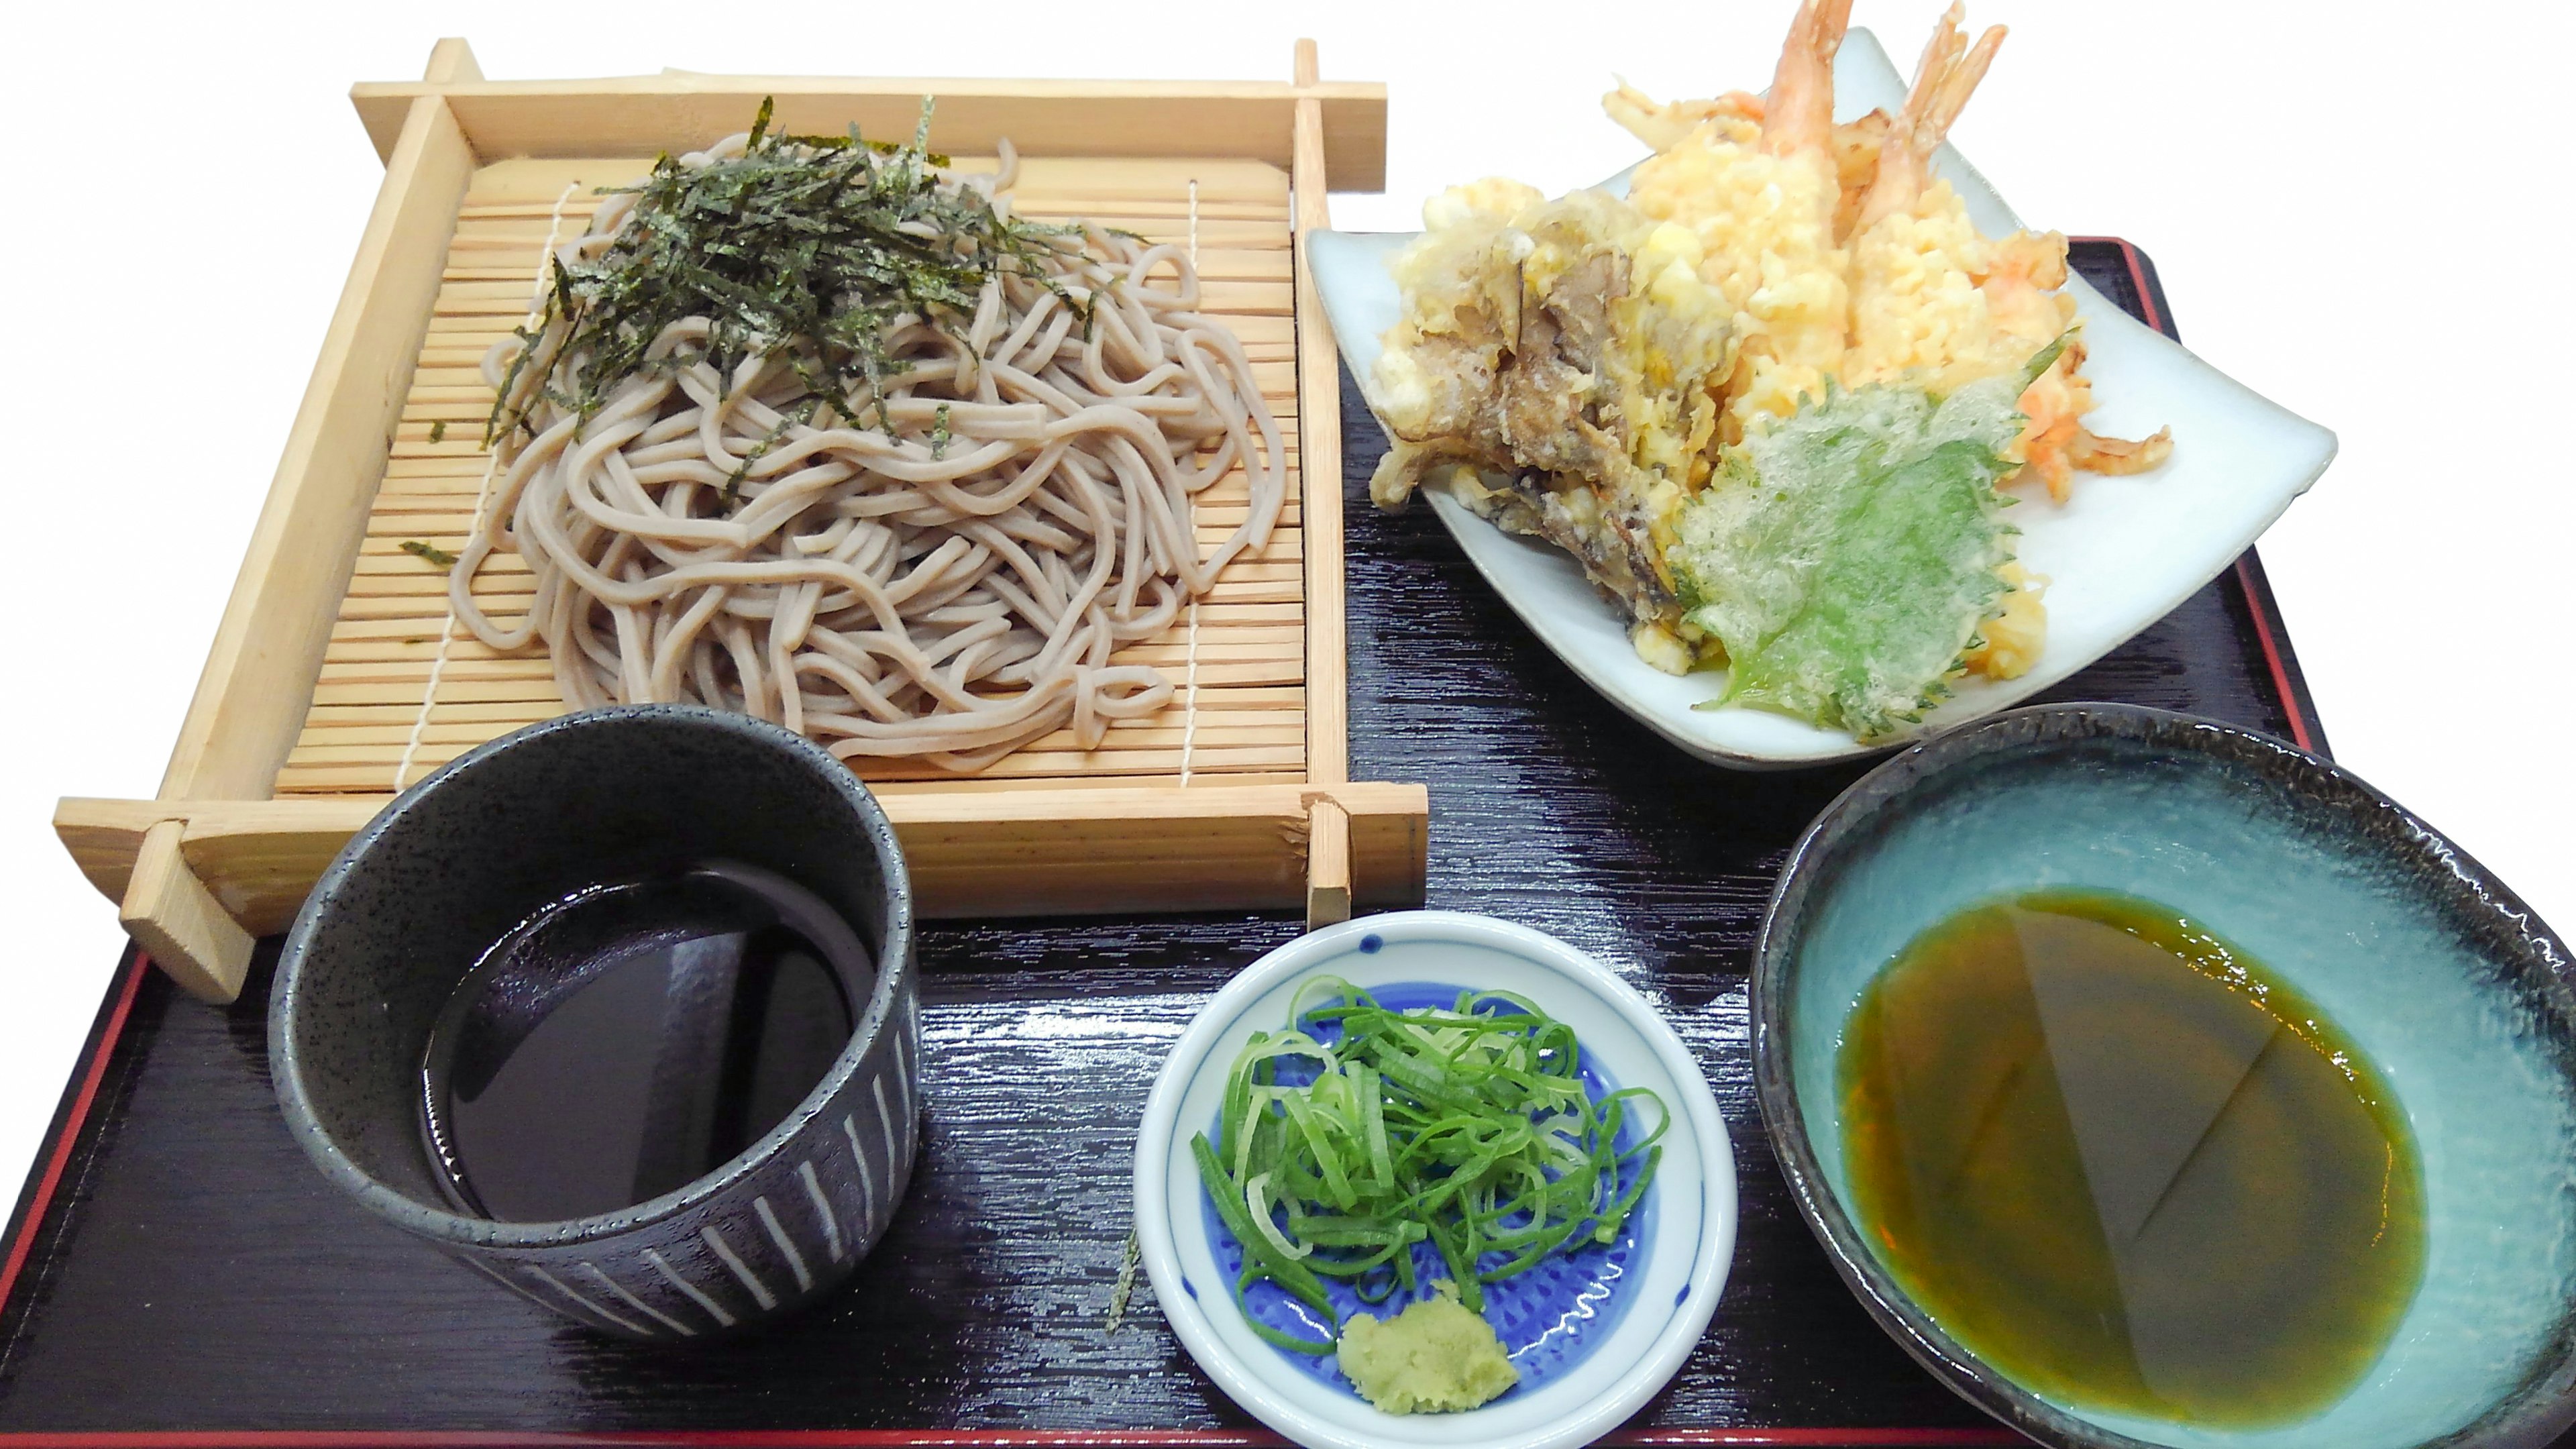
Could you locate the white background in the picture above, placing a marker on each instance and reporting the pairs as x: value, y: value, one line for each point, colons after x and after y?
x: 2358, y: 210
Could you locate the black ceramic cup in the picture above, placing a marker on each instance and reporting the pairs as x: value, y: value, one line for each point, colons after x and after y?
x: 404, y: 913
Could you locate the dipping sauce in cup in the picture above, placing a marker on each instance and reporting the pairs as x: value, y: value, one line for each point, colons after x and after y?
x: 634, y: 1036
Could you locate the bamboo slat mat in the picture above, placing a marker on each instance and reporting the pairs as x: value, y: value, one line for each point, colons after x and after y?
x: 1238, y: 710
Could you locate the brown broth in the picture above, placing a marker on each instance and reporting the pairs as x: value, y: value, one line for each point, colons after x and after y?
x: 632, y: 1037
x: 2126, y: 1166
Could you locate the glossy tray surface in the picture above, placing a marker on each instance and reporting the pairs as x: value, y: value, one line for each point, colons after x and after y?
x: 188, y: 1278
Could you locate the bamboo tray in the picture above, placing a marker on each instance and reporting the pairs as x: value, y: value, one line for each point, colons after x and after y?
x: 340, y: 676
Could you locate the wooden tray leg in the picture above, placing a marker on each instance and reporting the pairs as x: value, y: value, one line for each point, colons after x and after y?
x: 1328, y: 863
x: 179, y: 923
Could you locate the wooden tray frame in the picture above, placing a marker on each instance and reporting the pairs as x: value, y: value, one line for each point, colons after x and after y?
x: 216, y: 859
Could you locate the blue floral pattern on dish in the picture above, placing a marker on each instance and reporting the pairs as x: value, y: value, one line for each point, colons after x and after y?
x: 1549, y: 1318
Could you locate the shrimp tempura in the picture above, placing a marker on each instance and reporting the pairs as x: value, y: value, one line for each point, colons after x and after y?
x: 1761, y: 198
x: 1934, y: 301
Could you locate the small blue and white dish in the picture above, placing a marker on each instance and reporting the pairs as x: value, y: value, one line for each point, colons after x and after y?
x: 2430, y: 966
x: 1593, y: 1334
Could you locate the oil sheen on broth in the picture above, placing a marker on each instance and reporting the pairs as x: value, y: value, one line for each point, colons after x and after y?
x: 2126, y: 1166
x: 634, y: 1036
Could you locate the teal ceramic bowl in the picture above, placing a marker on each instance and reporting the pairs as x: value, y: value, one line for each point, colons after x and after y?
x: 2433, y: 969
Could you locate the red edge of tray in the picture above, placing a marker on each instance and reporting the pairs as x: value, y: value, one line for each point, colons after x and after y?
x: 959, y: 1437
x: 102, y: 1046
x: 67, y: 1126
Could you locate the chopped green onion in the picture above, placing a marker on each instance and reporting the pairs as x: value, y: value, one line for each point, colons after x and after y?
x: 1467, y: 1127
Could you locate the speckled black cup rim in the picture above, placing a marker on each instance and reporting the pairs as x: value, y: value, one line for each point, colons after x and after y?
x: 2546, y: 1401
x: 894, y: 957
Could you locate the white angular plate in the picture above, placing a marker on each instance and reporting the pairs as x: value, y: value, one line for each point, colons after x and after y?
x: 2120, y: 555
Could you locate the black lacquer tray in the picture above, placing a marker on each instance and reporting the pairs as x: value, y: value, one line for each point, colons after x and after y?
x: 178, y: 1275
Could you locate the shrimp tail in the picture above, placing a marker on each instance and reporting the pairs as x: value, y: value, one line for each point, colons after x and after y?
x: 1947, y: 75
x: 1799, y: 114
x: 1958, y: 81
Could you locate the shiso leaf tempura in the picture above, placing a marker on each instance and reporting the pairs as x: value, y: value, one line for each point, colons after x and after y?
x: 1467, y: 1127
x: 1848, y: 564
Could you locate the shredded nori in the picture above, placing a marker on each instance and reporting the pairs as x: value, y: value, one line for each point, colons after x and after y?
x: 800, y: 413
x: 428, y: 552
x: 810, y: 246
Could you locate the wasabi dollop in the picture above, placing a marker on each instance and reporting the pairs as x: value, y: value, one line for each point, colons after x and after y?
x: 1436, y: 1357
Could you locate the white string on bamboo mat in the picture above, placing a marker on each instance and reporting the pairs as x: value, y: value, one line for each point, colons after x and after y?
x: 482, y: 499
x: 1190, y: 653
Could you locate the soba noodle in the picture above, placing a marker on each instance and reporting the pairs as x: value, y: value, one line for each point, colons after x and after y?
x: 946, y: 579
